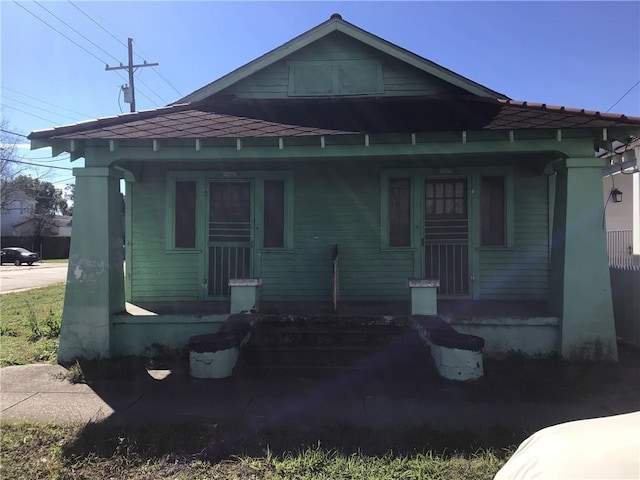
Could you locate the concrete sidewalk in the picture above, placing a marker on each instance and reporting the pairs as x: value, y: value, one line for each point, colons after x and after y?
x: 37, y: 392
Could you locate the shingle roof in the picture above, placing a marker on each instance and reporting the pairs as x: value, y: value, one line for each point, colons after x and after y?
x: 516, y: 115
x: 197, y: 121
x: 179, y: 121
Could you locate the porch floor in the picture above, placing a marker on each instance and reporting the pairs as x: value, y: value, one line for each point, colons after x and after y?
x: 452, y: 309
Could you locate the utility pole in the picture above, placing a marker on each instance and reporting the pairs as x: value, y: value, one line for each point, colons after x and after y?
x: 130, y: 67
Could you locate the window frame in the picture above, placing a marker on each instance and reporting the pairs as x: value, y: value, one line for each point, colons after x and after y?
x: 170, y: 217
x: 416, y: 206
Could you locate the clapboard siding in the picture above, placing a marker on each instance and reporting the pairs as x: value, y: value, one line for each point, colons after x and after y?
x: 398, y: 77
x: 156, y: 275
x: 337, y: 205
x: 522, y: 271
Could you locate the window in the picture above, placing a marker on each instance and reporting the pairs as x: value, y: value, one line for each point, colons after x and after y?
x: 492, y: 211
x: 399, y: 212
x: 185, y: 215
x: 274, y: 214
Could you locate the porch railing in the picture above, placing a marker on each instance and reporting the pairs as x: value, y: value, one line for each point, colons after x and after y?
x: 620, y: 249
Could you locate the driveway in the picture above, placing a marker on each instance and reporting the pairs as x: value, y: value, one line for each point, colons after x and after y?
x: 24, y: 277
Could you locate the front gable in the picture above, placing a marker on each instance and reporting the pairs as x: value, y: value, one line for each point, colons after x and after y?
x: 339, y: 65
x: 337, y: 58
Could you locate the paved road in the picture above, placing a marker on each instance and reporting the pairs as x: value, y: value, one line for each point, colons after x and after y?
x: 24, y: 277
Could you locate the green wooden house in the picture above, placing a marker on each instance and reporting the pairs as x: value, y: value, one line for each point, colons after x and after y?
x: 341, y: 142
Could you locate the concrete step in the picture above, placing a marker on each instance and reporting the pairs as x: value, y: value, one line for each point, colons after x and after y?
x: 329, y: 348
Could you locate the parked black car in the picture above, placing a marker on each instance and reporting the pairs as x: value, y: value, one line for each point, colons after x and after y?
x: 18, y: 256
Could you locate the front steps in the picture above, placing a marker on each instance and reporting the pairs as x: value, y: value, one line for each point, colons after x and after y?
x: 329, y: 345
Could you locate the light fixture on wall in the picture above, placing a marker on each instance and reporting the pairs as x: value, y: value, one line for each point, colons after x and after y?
x: 616, y: 195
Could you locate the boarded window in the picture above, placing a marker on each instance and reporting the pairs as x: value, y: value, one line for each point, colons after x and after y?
x: 493, y: 211
x: 399, y: 212
x: 274, y: 224
x: 185, y: 215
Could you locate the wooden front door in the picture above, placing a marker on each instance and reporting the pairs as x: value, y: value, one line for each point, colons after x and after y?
x: 230, y: 235
x: 446, y: 235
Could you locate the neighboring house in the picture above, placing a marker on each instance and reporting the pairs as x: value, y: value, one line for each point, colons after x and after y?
x: 622, y: 174
x: 54, y: 226
x: 19, y: 207
x: 339, y: 137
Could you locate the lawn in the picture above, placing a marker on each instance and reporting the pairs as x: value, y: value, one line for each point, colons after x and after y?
x: 30, y: 324
x: 196, y: 452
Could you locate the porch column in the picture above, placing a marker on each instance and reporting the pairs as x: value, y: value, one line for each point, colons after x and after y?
x: 580, y: 292
x: 95, y: 277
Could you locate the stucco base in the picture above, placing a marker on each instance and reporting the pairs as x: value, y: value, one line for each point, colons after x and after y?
x: 213, y: 364
x: 531, y: 336
x: 137, y: 334
x: 457, y: 364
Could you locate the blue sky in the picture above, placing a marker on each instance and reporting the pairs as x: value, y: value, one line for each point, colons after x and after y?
x: 577, y: 54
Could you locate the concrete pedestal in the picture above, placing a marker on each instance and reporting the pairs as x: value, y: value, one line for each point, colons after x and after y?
x: 245, y: 294
x: 424, y: 298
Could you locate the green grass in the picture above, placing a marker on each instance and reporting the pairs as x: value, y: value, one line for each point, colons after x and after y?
x: 102, y: 451
x: 30, y: 324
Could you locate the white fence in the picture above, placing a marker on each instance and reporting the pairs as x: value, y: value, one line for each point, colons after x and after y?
x: 620, y: 248
x: 624, y: 271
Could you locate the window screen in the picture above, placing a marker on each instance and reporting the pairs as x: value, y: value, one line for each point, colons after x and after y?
x: 493, y: 211
x: 274, y: 214
x: 185, y: 215
x: 399, y: 212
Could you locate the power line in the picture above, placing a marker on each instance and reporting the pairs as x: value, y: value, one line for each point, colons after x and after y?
x: 626, y: 93
x: 87, y: 39
x: 166, y: 81
x: 40, y: 108
x: 59, y: 32
x: 37, y: 164
x: 90, y: 18
x: 124, y: 45
x: 43, y: 101
x: 13, y: 133
x: 28, y: 113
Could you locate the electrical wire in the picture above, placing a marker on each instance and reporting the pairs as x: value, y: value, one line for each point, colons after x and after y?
x: 626, y: 93
x: 36, y: 164
x: 87, y: 39
x: 28, y: 113
x: 44, y: 101
x: 94, y: 21
x: 59, y: 32
x: 42, y: 109
x: 13, y: 133
x: 135, y: 53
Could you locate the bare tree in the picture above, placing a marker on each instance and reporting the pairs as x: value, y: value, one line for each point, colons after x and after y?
x: 9, y: 169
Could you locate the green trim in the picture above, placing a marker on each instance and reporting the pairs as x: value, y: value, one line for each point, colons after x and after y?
x: 128, y: 228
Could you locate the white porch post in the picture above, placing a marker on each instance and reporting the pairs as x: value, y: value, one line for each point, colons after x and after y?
x: 95, y: 277
x: 580, y: 291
